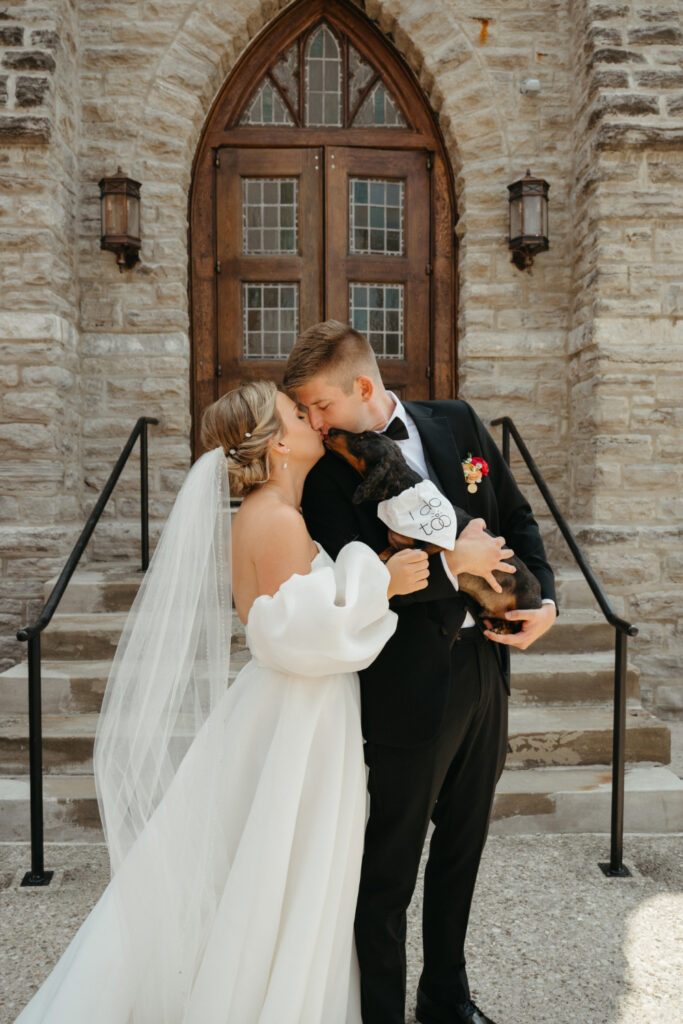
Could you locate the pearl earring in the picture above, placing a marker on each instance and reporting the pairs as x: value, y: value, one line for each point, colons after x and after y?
x: 285, y: 462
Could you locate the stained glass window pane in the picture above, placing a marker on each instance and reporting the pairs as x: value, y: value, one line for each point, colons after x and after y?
x: 286, y: 74
x: 267, y: 107
x: 271, y: 319
x: 376, y: 217
x: 360, y: 73
x: 323, y: 79
x: 378, y: 110
x: 269, y: 215
x: 376, y: 310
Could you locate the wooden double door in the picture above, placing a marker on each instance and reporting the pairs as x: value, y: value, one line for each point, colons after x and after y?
x: 321, y: 189
x: 323, y: 232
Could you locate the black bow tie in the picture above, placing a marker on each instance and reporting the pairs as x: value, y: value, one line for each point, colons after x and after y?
x: 397, y: 430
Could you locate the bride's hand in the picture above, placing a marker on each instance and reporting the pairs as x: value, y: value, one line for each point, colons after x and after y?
x: 409, y: 570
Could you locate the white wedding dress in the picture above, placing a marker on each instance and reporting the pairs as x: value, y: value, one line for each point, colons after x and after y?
x: 274, y: 944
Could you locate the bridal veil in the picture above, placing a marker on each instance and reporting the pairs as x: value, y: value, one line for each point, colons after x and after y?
x: 169, y: 672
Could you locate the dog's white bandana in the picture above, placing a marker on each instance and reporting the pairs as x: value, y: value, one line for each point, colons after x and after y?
x: 421, y: 512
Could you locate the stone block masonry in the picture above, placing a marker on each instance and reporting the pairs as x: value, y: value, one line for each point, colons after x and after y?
x: 27, y: 73
x: 625, y: 371
x: 40, y: 390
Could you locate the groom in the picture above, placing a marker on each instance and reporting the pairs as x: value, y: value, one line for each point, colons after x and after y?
x: 434, y: 702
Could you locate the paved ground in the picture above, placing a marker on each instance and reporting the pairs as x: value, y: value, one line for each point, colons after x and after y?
x: 552, y: 941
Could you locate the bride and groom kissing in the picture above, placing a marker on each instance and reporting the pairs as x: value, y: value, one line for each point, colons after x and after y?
x: 265, y: 837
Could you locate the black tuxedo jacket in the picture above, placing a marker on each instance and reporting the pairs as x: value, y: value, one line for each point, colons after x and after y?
x: 403, y: 692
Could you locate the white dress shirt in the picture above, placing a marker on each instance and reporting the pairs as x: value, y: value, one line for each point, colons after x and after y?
x: 413, y: 453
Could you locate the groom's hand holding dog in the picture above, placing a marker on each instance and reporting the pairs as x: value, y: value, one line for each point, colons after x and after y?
x: 474, y: 552
x: 475, y: 556
x: 535, y: 622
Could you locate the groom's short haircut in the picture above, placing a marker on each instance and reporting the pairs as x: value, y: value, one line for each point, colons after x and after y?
x: 332, y: 348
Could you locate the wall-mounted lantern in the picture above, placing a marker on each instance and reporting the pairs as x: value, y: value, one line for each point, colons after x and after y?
x: 528, y: 219
x: 120, y: 208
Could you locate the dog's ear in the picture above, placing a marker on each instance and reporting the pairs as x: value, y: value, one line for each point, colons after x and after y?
x: 373, y: 487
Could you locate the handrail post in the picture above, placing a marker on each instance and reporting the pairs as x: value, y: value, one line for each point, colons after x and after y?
x: 144, y: 498
x: 37, y: 875
x: 622, y: 629
x: 616, y: 867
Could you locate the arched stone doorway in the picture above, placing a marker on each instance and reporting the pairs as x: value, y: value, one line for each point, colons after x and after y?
x: 321, y: 188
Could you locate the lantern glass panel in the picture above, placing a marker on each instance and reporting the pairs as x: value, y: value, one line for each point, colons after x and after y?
x: 533, y: 224
x: 516, y: 217
x: 133, y: 216
x: 114, y: 214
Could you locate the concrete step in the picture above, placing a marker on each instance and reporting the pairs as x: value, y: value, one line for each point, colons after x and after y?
x: 579, y: 800
x: 70, y: 810
x: 77, y: 685
x: 572, y: 589
x: 67, y: 687
x: 99, y: 587
x: 567, y: 679
x: 70, y: 687
x: 67, y: 744
x: 111, y: 587
x: 538, y: 800
x: 537, y: 737
x: 541, y: 736
x: 94, y: 636
x: 576, y: 631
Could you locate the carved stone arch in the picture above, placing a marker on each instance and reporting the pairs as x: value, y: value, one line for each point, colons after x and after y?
x: 222, y: 130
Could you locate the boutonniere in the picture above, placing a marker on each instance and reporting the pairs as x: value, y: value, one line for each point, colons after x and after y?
x: 475, y: 469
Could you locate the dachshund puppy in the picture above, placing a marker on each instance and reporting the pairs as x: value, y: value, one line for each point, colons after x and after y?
x: 385, y: 474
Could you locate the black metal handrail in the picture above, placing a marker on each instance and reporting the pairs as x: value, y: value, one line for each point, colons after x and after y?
x: 622, y: 630
x: 37, y: 875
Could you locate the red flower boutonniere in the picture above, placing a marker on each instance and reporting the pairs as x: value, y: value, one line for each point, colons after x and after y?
x: 475, y: 469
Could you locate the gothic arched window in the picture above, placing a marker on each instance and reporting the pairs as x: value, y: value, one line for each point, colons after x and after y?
x: 340, y: 88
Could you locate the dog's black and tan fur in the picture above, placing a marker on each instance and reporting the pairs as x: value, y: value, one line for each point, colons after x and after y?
x: 385, y: 473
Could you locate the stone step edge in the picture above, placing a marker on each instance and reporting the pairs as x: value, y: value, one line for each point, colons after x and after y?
x: 568, y: 570
x: 523, y: 664
x: 570, y: 616
x: 553, y: 779
x: 550, y: 717
x: 542, y: 800
x: 552, y: 803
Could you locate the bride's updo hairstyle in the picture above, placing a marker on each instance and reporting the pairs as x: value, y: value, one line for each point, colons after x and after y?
x: 242, y: 422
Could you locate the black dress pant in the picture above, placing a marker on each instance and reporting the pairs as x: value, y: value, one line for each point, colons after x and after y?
x: 452, y: 781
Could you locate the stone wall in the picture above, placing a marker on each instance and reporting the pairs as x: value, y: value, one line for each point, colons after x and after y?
x: 625, y: 365
x: 560, y: 348
x: 40, y: 405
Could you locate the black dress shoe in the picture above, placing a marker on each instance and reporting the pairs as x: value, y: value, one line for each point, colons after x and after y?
x: 428, y: 1012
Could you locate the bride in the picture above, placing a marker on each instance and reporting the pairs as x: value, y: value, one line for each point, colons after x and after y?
x: 234, y: 815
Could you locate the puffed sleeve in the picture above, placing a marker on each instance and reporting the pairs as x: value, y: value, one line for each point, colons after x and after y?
x: 334, y: 619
